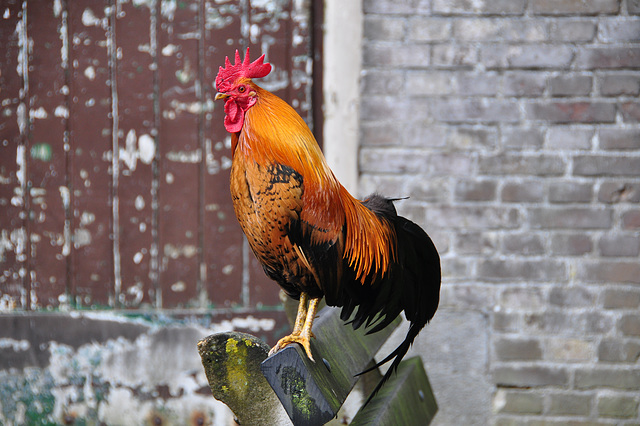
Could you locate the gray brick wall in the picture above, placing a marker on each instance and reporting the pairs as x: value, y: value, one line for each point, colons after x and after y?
x: 514, y: 128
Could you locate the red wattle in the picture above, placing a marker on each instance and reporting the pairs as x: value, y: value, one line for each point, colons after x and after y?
x: 234, y: 116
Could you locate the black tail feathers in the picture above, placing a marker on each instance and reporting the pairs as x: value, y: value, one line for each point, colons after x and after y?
x: 412, y: 285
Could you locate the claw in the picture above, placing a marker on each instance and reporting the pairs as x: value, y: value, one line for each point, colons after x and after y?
x: 287, y: 340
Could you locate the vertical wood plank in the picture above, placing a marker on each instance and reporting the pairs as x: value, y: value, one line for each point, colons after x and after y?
x: 13, y: 235
x: 46, y: 156
x: 91, y: 154
x: 135, y: 51
x: 223, y: 238
x: 180, y: 154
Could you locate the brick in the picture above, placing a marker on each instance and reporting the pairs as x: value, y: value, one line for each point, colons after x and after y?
x: 526, y: 30
x: 382, y: 82
x: 571, y: 297
x: 524, y: 244
x: 570, y: 192
x: 569, y: 349
x: 474, y: 29
x: 429, y: 29
x: 571, y: 138
x: 429, y: 190
x: 474, y: 111
x: 410, y: 7
x: 633, y: 7
x: 505, y: 322
x: 379, y: 108
x: 534, y: 56
x: 631, y: 219
x: 467, y: 297
x: 607, y: 57
x: 396, y: 55
x: 571, y: 112
x: 452, y: 56
x: 615, y: 298
x: 629, y: 325
x: 472, y: 138
x: 570, y: 85
x: 601, y: 377
x: 517, y: 349
x: 619, y: 192
x: 613, y: 139
x: 471, y: 83
x: 619, y: 84
x: 522, y: 299
x: 618, y: 406
x: 380, y: 133
x: 609, y: 271
x: 423, y: 135
x: 522, y: 270
x: 630, y: 112
x: 615, y: 30
x: 456, y: 268
x: 517, y: 402
x: 619, y: 351
x: 476, y: 242
x: 571, y: 244
x: 428, y: 83
x: 530, y: 376
x: 384, y: 28
x: 566, y: 7
x: 464, y: 7
x: 572, y: 30
x: 518, y: 138
x: 522, y: 192
x: 525, y: 84
x: 393, y: 161
x: 570, y: 404
x: 586, y: 165
x: 473, y: 217
x: 474, y: 190
x: 521, y: 164
x: 617, y: 245
x: 567, y: 324
x: 389, y: 185
x: 570, y: 218
x: 450, y: 164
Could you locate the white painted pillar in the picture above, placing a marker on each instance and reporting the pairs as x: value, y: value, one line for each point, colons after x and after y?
x: 341, y: 88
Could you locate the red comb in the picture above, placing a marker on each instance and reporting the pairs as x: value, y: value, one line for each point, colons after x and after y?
x: 228, y: 75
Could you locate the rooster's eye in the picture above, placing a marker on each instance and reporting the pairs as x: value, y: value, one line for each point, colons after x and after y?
x: 242, y: 89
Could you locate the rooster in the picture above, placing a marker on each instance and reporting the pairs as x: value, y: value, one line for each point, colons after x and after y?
x: 310, y: 235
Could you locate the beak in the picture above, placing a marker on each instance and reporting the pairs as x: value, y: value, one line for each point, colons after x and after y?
x: 221, y: 95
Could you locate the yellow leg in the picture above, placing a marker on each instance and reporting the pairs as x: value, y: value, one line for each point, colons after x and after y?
x: 302, y: 329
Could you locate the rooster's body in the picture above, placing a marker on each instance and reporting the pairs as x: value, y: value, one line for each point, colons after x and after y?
x: 311, y: 236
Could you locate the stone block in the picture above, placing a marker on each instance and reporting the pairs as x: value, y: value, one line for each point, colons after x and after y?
x: 570, y: 404
x: 594, y: 165
x: 517, y: 349
x: 396, y: 55
x: 468, y: 7
x: 524, y: 84
x: 518, y: 138
x: 521, y: 164
x: 568, y: 7
x: 519, y: 299
x: 605, y: 57
x: 429, y: 29
x: 607, y: 377
x: 528, y: 191
x: 570, y: 192
x: 408, y: 7
x: 472, y: 83
x: 464, y: 217
x: 454, y: 56
x: 522, y: 270
x: 569, y: 349
x: 389, y: 82
x: 571, y: 112
x: 631, y: 219
x: 618, y: 406
x: 530, y: 376
x: 384, y: 28
x: 619, y: 192
x: 571, y: 297
x: 619, y: 139
x: 630, y: 112
x: 430, y: 83
x: 618, y: 30
x: 474, y: 190
x: 614, y: 350
x: 616, y: 298
x: 619, y: 245
x: 471, y: 110
x: 571, y: 244
x: 629, y: 325
x: 609, y: 271
x: 576, y: 31
x: 517, y: 402
x: 569, y: 138
x: 475, y: 242
x: 570, y: 218
x: 570, y: 85
x: 619, y: 84
x: 525, y: 244
x: 472, y: 138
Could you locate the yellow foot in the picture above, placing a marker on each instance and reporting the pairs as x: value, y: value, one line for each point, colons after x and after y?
x: 293, y: 338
